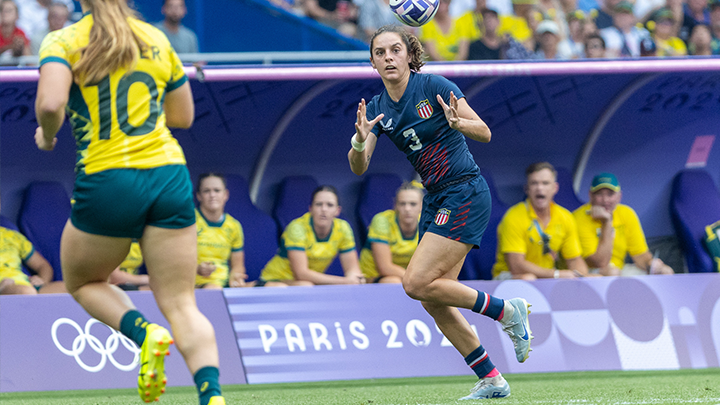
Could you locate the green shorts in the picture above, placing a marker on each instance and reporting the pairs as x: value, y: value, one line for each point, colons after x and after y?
x: 121, y: 202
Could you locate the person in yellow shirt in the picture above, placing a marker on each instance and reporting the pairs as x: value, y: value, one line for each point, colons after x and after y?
x: 126, y: 275
x: 16, y: 250
x: 446, y: 38
x: 663, y: 33
x: 609, y: 231
x: 309, y: 245
x: 393, y: 237
x: 221, y: 258
x: 535, y: 234
x: 122, y: 85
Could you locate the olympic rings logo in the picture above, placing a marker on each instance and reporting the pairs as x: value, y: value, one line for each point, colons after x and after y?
x: 106, y: 351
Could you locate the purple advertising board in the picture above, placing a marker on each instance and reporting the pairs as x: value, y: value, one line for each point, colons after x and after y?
x: 376, y: 331
x: 48, y: 342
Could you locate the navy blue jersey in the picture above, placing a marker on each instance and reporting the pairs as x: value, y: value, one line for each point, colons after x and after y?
x: 417, y: 126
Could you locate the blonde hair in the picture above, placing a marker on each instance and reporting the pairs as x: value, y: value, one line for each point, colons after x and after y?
x: 411, y: 185
x: 112, y: 44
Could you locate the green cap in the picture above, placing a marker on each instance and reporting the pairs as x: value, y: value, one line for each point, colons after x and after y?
x: 623, y: 7
x: 605, y: 180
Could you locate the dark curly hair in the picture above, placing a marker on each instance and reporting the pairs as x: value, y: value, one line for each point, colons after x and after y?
x: 413, y: 45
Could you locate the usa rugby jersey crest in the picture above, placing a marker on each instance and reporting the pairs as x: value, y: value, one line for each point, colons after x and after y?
x: 416, y: 124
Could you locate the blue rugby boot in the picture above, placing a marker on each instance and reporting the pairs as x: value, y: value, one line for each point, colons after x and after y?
x: 488, y: 388
x: 517, y: 327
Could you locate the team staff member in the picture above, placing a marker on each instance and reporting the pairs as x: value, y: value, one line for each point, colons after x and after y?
x: 427, y: 117
x: 220, y: 237
x: 609, y: 231
x: 393, y: 237
x: 309, y: 245
x: 123, y: 85
x: 534, y: 234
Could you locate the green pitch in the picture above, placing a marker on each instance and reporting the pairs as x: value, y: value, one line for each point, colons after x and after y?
x: 586, y: 388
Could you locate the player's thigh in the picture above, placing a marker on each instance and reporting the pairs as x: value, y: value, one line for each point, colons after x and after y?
x: 171, y: 258
x: 87, y: 257
x: 436, y: 257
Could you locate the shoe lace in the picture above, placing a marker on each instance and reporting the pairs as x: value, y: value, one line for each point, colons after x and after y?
x: 480, y: 385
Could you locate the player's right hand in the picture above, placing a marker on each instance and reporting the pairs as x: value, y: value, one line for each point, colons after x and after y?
x: 362, y: 125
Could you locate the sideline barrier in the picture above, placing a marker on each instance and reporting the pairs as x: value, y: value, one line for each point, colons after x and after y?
x: 48, y: 342
x: 375, y: 331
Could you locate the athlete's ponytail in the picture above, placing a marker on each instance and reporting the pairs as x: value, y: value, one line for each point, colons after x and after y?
x: 112, y: 45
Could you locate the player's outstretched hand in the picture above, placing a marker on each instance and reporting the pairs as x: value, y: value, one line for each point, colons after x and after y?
x: 43, y: 143
x: 362, y: 125
x: 451, y: 113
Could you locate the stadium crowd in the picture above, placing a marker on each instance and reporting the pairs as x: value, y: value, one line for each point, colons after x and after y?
x: 461, y: 29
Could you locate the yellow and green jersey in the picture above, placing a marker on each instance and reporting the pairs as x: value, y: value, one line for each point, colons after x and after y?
x: 15, y: 249
x: 134, y: 259
x: 520, y: 231
x: 119, y: 122
x: 628, y: 236
x: 385, y: 228
x: 217, y: 241
x: 300, y: 235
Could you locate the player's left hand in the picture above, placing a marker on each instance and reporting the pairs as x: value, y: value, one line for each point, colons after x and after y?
x: 451, y: 111
x: 43, y: 143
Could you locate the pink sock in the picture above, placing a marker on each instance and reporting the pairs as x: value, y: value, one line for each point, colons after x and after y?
x: 493, y: 373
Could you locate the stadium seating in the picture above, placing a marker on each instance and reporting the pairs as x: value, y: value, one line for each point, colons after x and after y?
x: 292, y: 199
x: 5, y: 222
x: 45, y: 210
x: 377, y: 194
x: 258, y: 227
x: 694, y: 203
x: 566, y: 196
x: 479, y: 262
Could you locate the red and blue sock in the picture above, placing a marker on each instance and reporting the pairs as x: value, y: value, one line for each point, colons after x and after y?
x: 480, y: 363
x: 488, y: 305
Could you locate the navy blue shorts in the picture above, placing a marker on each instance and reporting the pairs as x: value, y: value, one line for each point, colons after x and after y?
x: 459, y: 212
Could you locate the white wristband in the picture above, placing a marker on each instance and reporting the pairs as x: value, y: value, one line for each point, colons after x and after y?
x: 557, y: 274
x: 358, y: 146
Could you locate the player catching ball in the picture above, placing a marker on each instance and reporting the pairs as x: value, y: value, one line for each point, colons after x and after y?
x: 131, y: 182
x: 427, y: 117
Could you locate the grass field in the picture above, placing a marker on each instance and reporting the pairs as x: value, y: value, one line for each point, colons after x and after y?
x: 585, y: 388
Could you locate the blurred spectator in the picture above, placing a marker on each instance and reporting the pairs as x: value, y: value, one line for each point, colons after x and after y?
x: 588, y: 5
x: 605, y: 14
x: 589, y: 26
x: 16, y: 251
x: 609, y: 231
x: 535, y: 234
x: 338, y: 14
x: 57, y: 17
x: 714, y: 6
x: 460, y: 7
x: 623, y: 38
x: 700, y: 41
x: 373, y: 14
x: 594, y: 46
x: 696, y: 12
x: 127, y: 276
x: 182, y: 38
x: 446, y: 38
x: 666, y: 43
x: 309, y: 245
x: 393, y: 237
x: 549, y: 38
x: 220, y: 239
x: 520, y: 26
x: 34, y: 14
x: 573, y: 47
x: 488, y: 47
x: 643, y: 9
x: 13, y: 42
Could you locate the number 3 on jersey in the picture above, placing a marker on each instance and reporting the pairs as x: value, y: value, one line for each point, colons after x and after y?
x: 416, y: 145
